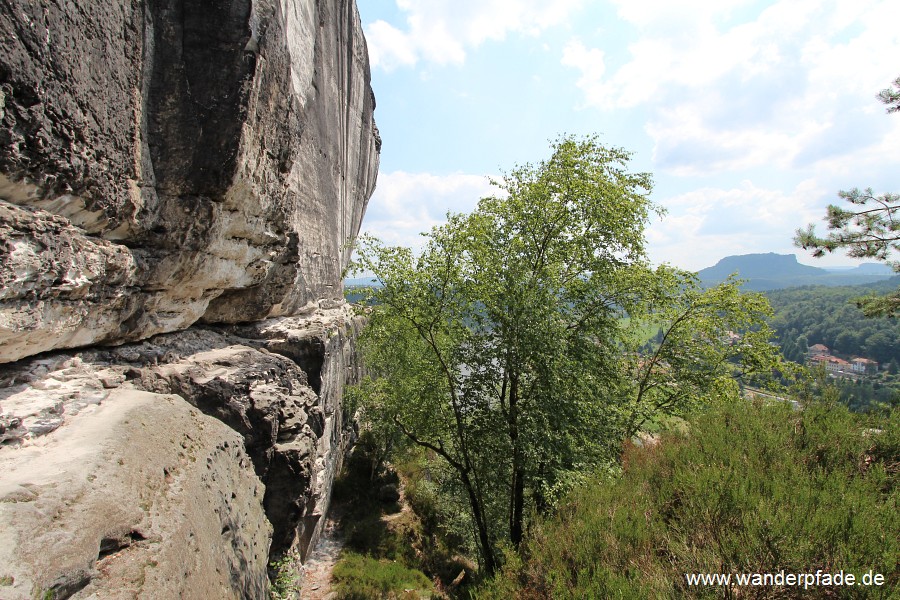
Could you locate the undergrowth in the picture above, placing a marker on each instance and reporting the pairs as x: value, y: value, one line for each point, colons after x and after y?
x: 383, y: 556
x: 360, y: 577
x: 284, y: 578
x: 749, y: 488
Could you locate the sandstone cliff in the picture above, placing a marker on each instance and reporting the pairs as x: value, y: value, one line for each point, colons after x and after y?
x: 180, y: 183
x: 166, y: 161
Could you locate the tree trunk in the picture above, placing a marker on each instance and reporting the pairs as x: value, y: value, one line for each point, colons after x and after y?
x: 487, y: 551
x: 518, y: 472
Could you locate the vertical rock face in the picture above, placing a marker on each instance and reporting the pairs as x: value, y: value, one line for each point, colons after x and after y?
x: 180, y: 183
x: 223, y: 151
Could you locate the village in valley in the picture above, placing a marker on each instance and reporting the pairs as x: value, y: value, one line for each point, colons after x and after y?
x: 820, y: 355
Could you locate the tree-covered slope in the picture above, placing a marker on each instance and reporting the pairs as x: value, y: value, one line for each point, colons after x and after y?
x: 828, y: 315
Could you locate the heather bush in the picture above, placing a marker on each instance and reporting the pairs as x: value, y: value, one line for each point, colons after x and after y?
x: 748, y: 488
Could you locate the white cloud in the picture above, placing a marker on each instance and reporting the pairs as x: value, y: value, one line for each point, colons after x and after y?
x: 687, y: 144
x: 590, y: 63
x: 442, y: 31
x: 405, y: 205
x: 701, y: 225
x: 789, y: 84
x: 660, y: 13
x: 705, y: 224
x: 388, y: 46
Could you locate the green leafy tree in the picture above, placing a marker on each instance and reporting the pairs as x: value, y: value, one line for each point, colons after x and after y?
x: 503, y: 347
x: 701, y: 355
x: 871, y: 229
x: 803, y: 344
x: 880, y: 346
x: 848, y: 341
x: 789, y: 349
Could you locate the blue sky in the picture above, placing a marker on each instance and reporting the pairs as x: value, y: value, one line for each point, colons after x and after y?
x: 750, y: 115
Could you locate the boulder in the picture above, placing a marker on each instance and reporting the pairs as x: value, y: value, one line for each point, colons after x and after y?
x: 138, y: 495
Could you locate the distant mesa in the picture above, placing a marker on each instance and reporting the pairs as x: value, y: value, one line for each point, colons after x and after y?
x: 361, y: 282
x: 771, y: 271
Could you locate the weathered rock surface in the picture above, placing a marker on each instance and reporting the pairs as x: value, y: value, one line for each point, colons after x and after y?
x: 163, y: 162
x: 180, y: 185
x: 107, y: 431
x: 290, y: 417
x: 138, y: 495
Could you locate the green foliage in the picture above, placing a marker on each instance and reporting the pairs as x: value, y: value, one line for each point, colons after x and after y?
x: 864, y: 395
x: 473, y: 337
x: 377, y: 527
x: 384, y: 546
x: 284, y: 577
x: 363, y: 510
x: 826, y: 315
x: 698, y: 354
x: 358, y: 577
x: 432, y: 493
x: 751, y: 488
x: 378, y: 438
x: 871, y: 229
x: 869, y: 232
x: 500, y: 348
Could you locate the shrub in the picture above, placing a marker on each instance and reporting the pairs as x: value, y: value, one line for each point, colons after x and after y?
x: 359, y: 577
x: 284, y: 577
x: 751, y: 488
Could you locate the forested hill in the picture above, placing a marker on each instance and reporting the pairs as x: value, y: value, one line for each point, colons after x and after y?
x: 827, y: 315
x: 771, y: 271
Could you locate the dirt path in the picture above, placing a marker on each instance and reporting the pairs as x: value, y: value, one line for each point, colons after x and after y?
x: 315, y: 576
